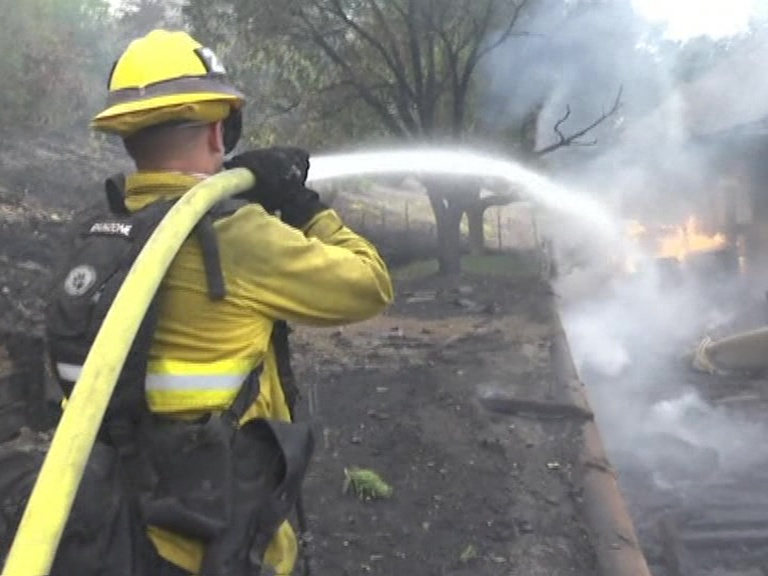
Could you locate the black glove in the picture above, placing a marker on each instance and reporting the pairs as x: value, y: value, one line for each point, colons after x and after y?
x: 302, y: 205
x: 278, y: 172
x: 298, y: 157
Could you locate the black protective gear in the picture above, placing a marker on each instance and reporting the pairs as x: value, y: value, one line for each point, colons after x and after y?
x: 233, y: 129
x: 278, y: 171
x: 302, y: 205
x: 299, y: 159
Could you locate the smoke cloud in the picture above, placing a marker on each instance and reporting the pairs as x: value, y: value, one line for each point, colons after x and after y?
x: 655, y: 162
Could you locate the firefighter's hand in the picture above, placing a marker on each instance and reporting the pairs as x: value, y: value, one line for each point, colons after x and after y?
x: 278, y: 172
x: 301, y: 206
x: 298, y: 158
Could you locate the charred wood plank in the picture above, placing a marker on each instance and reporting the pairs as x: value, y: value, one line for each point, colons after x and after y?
x: 501, y: 404
x: 726, y: 537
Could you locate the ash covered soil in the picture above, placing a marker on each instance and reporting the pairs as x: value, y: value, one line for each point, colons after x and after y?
x: 474, y: 491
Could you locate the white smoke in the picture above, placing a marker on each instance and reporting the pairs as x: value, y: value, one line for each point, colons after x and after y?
x: 686, y: 19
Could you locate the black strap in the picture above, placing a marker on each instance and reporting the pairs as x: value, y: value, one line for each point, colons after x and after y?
x: 115, y: 189
x: 214, y: 275
x: 291, y: 391
x: 246, y: 396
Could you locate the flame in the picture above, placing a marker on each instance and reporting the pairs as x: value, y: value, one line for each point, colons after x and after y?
x: 688, y: 239
x: 676, y: 242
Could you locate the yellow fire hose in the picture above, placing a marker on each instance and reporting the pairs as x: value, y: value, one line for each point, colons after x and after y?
x: 45, y: 516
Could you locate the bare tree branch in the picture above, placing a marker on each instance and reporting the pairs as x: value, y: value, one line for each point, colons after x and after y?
x: 573, y: 139
x: 561, y: 122
x: 360, y: 87
x: 388, y: 58
x: 507, y: 33
x: 496, y: 200
x: 414, y: 44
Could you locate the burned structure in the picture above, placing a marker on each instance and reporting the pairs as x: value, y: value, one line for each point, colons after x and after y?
x: 703, y: 197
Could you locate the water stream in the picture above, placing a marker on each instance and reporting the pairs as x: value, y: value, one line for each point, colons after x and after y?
x: 469, y: 163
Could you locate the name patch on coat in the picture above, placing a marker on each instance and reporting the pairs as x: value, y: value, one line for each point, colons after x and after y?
x: 111, y: 228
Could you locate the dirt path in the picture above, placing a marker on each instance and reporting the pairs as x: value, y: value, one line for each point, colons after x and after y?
x: 475, y: 492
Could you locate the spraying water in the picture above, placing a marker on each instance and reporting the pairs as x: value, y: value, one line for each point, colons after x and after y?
x: 468, y: 163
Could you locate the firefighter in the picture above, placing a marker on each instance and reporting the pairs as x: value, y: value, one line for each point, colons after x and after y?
x: 170, y: 102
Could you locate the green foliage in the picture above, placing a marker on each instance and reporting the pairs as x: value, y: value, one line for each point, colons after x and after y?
x: 54, y: 55
x: 366, y: 484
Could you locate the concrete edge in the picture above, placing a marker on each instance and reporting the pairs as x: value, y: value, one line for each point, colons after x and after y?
x: 612, y: 531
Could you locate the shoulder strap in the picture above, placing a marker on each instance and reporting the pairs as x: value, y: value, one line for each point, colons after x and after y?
x: 214, y: 275
x: 114, y: 186
x: 280, y: 344
x: 206, y: 235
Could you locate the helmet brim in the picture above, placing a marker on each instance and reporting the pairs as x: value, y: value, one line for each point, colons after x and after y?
x: 236, y: 100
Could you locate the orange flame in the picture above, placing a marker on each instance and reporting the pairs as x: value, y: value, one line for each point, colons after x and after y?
x: 676, y: 242
x: 688, y: 239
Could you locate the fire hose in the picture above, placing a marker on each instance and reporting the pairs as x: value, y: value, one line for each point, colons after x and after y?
x: 45, y: 516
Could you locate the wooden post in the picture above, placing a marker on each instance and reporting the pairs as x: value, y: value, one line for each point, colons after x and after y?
x: 407, y: 218
x: 498, y: 226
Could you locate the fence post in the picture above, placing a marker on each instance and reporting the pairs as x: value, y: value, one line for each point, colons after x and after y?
x: 407, y: 218
x: 498, y: 226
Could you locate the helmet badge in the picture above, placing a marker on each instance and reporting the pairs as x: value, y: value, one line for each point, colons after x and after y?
x: 211, y: 61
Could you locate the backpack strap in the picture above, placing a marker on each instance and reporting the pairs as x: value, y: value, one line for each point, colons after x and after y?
x: 246, y: 396
x: 281, y: 346
x: 114, y: 186
x: 206, y: 235
x: 214, y: 275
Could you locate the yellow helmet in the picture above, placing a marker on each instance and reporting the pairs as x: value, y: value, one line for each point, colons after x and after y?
x: 167, y: 76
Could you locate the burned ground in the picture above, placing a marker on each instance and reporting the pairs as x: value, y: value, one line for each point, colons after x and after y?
x: 474, y: 491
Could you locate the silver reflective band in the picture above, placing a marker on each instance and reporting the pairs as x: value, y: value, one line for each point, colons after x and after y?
x: 68, y: 372
x: 168, y: 382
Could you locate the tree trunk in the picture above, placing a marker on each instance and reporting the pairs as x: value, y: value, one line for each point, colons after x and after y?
x: 449, y: 240
x: 448, y: 213
x: 476, y: 221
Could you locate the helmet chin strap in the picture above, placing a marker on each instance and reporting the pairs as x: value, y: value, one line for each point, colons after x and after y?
x: 233, y: 129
